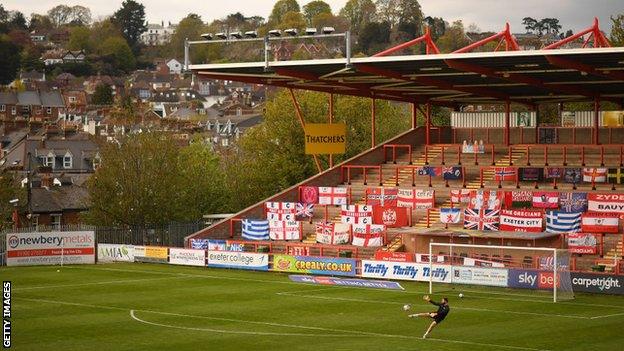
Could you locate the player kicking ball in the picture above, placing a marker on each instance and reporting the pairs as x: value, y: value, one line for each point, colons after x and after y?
x: 443, y: 310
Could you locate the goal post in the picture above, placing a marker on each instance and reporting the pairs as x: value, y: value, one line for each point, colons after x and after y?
x: 540, y: 268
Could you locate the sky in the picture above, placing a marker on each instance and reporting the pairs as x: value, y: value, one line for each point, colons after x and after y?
x: 488, y: 15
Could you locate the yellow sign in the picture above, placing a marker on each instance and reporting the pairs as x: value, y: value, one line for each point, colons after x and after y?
x: 156, y: 252
x: 613, y: 118
x: 325, y: 138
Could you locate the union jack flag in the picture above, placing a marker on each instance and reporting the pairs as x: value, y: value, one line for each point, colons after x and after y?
x: 481, y: 219
x: 304, y: 211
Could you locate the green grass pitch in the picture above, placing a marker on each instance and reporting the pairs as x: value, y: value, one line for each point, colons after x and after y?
x: 162, y: 307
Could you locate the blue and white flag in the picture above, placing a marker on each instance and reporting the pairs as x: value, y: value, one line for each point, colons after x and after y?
x: 450, y: 215
x: 201, y: 244
x: 254, y: 229
x: 573, y: 202
x: 563, y: 222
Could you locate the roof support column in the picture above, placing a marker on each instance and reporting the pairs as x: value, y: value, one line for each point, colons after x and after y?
x: 373, y: 116
x: 302, y: 122
x: 537, y: 122
x: 507, y: 116
x: 414, y: 115
x: 331, y: 120
x: 428, y: 124
x: 596, y: 119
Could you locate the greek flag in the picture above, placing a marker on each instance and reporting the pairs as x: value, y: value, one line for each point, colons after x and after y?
x: 563, y: 222
x: 255, y: 229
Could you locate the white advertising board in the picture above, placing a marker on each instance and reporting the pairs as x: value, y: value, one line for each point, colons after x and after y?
x: 50, y: 248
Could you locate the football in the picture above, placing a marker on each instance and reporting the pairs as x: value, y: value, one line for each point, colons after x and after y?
x: 461, y: 295
x: 406, y: 307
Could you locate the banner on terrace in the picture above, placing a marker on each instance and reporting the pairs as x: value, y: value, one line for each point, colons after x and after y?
x: 460, y: 196
x: 416, y: 198
x: 606, y: 203
x: 333, y: 233
x: 357, y: 214
x: 281, y: 211
x: 381, y: 196
x: 518, y: 199
x: 563, y: 222
x: 309, y: 194
x: 254, y: 229
x: 521, y: 221
x: 304, y: 211
x: 325, y: 138
x: 450, y: 215
x: 332, y: 195
x: 544, y: 199
x: 391, y: 216
x: 368, y: 235
x: 531, y: 174
x: 595, y: 175
x: 285, y: 230
x: 481, y: 219
x: 600, y: 222
x: 573, y: 202
x: 486, y: 199
x: 582, y: 243
x: 504, y: 173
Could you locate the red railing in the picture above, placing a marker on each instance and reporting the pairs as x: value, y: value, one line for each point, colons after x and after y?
x: 558, y: 132
x: 414, y: 169
x: 397, y: 146
x: 363, y: 168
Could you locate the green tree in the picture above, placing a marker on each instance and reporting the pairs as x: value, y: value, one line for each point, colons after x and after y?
x: 281, y: 8
x: 292, y: 20
x: 9, y: 190
x: 617, y: 30
x: 374, y: 37
x: 130, y: 19
x: 80, y: 39
x: 10, y: 54
x: 454, y: 38
x: 315, y: 8
x: 17, y: 21
x: 103, y: 95
x: 118, y: 49
x: 60, y: 15
x: 530, y: 24
x: 146, y: 179
x: 359, y: 13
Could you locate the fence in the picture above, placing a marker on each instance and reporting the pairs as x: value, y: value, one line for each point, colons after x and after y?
x: 171, y: 235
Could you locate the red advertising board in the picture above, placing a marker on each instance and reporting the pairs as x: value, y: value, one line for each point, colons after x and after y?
x: 394, y: 256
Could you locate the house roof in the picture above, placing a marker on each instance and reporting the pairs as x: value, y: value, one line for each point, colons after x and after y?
x: 28, y: 98
x: 51, y: 99
x: 31, y: 75
x: 8, y: 98
x: 57, y: 199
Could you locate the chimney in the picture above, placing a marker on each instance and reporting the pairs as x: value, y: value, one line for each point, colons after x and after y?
x: 46, y: 180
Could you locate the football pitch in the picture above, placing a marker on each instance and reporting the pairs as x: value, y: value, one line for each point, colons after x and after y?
x: 163, y: 307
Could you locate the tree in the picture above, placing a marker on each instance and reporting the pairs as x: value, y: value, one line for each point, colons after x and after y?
x: 388, y: 11
x: 315, y: 8
x: 192, y: 27
x: 80, y: 16
x: 41, y: 23
x: 410, y: 12
x: 17, y: 21
x: 4, y: 14
x: 9, y: 190
x: 146, y: 179
x: 292, y: 20
x: 374, y: 37
x: 617, y: 30
x: 103, y: 95
x: 118, y: 49
x: 80, y: 39
x: 281, y: 8
x: 454, y: 38
x: 530, y: 24
x: 130, y: 19
x: 10, y: 54
x: 359, y: 13
x: 60, y: 15
x: 437, y: 26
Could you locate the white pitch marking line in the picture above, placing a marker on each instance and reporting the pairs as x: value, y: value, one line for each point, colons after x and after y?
x: 608, y: 315
x: 353, y: 332
x: 455, y: 307
x: 293, y: 283
x: 122, y: 281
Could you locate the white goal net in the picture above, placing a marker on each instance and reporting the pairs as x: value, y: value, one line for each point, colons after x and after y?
x: 538, y: 268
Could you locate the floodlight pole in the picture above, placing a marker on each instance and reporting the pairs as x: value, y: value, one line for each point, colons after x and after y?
x: 267, y: 47
x: 347, y: 35
x: 373, y: 117
x: 186, y: 54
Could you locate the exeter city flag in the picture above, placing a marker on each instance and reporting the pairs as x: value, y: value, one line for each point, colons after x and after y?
x: 332, y: 195
x: 460, y: 196
x: 582, y: 243
x: 521, y: 221
x: 606, y: 203
x: 309, y: 194
x: 356, y: 214
x: 486, y: 199
x: 368, y: 235
x: 391, y: 216
x: 333, y: 233
x: 281, y: 211
x: 381, y: 196
x: 416, y: 198
x: 285, y: 230
x: 600, y: 222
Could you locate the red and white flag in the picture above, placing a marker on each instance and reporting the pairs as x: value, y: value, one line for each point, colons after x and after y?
x: 281, y: 211
x: 381, y: 196
x: 595, y: 175
x: 545, y: 199
x: 504, y: 173
x: 600, y: 222
x: 309, y: 194
x: 391, y: 216
x: 332, y: 195
x: 486, y: 199
x: 285, y: 230
x: 582, y: 243
x: 460, y: 196
x: 450, y: 215
x: 368, y: 235
x: 605, y: 203
x: 416, y: 198
x: 357, y: 214
x: 333, y: 233
x: 521, y: 221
